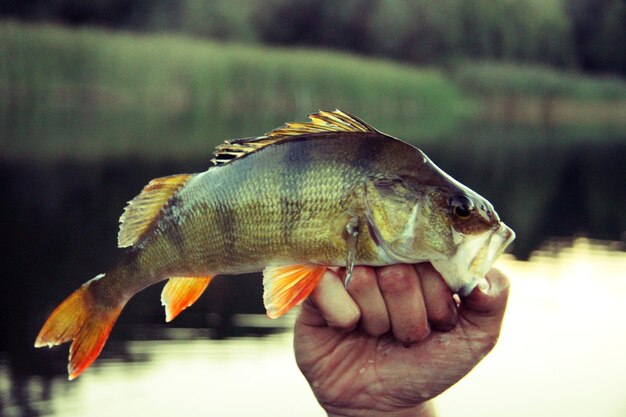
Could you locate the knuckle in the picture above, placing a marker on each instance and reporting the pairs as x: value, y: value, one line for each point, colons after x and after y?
x: 395, y: 280
x: 362, y: 281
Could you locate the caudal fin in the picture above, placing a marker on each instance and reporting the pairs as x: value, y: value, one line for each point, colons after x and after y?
x: 83, y: 321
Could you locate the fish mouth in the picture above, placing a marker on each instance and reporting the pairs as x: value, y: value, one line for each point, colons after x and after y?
x: 474, y: 257
x: 487, y: 255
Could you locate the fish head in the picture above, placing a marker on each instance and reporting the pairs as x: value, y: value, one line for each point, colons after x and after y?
x: 435, y: 218
x: 474, y: 239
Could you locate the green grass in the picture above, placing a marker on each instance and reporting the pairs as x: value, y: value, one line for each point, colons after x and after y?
x: 505, y: 79
x: 175, y: 95
x: 92, y: 93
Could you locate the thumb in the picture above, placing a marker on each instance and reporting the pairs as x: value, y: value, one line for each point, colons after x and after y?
x: 485, y: 306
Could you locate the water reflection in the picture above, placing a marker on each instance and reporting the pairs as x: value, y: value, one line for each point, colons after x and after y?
x: 242, y: 376
x: 563, y: 340
x: 561, y: 353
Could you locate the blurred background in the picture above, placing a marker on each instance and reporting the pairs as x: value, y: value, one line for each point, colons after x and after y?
x: 522, y: 100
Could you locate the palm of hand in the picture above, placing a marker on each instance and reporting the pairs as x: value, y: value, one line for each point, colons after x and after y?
x: 359, y: 372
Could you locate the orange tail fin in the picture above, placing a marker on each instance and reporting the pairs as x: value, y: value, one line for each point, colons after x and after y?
x: 83, y: 321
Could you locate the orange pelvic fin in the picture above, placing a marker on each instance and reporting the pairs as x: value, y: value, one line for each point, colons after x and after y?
x: 181, y: 292
x: 286, y: 286
x: 80, y: 320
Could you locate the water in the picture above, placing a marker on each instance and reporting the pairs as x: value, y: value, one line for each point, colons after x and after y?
x: 563, y: 341
x: 561, y: 353
x: 180, y: 377
x: 562, y: 344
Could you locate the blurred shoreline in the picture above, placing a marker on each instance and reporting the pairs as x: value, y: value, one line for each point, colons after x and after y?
x: 90, y: 93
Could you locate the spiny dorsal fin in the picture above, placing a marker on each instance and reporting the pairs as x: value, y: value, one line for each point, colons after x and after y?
x: 142, y: 210
x: 321, y: 122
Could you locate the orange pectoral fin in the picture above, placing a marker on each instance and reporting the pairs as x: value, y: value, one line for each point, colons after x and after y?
x: 181, y: 292
x: 286, y: 286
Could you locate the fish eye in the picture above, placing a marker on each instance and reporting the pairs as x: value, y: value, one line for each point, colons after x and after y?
x: 461, y: 206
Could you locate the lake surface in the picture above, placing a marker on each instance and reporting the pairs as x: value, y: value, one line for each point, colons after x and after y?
x: 561, y: 353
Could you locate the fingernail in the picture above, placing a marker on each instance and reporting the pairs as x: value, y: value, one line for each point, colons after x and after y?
x: 457, y: 299
x: 483, y: 285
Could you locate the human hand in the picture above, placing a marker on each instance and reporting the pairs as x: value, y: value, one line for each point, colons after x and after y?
x: 394, y: 339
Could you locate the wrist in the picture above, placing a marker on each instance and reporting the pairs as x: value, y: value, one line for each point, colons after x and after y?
x: 425, y: 409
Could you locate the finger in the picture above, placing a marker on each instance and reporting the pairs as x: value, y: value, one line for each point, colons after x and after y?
x: 334, y: 303
x: 403, y: 296
x: 365, y: 291
x: 440, y: 306
x: 485, y: 306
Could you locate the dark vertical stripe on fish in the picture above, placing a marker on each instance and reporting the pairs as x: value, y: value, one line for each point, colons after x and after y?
x: 130, y: 263
x: 368, y: 152
x: 296, y: 161
x: 291, y: 213
x: 177, y: 239
x: 226, y: 224
x: 174, y: 233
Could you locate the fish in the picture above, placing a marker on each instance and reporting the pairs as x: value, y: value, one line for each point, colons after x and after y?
x: 307, y: 196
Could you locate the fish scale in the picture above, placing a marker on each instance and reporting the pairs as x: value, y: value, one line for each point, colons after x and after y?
x: 254, y: 213
x: 331, y: 192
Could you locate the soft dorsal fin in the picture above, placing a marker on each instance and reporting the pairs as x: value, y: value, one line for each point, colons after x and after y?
x: 321, y: 122
x: 142, y: 210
